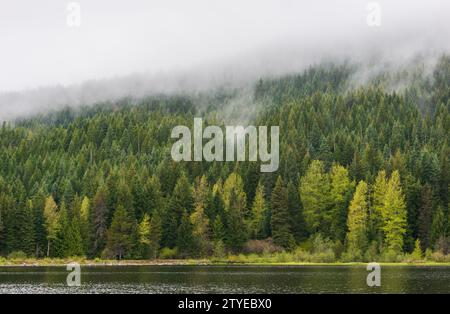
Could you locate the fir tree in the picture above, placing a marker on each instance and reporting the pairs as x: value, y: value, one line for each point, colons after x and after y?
x: 279, y: 223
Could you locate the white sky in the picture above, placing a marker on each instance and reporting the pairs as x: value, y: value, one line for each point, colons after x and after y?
x: 118, y: 38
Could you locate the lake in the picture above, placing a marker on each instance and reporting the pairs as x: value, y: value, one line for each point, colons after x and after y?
x: 225, y: 279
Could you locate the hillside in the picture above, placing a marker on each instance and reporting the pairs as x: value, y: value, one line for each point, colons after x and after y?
x: 364, y: 173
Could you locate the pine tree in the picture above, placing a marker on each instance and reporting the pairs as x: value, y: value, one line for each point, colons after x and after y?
x: 155, y: 234
x: 376, y: 208
x: 258, y: 213
x: 236, y: 231
x: 51, y: 215
x: 85, y: 214
x: 218, y: 230
x: 68, y: 242
x: 438, y: 226
x: 182, y: 200
x: 199, y: 220
x: 236, y: 216
x: 120, y: 241
x: 279, y: 223
x: 143, y: 231
x: 315, y: 196
x: 19, y: 232
x: 357, y: 221
x: 296, y: 217
x: 38, y: 204
x: 425, y: 216
x: 417, y: 253
x: 340, y: 193
x: 394, y: 215
x: 185, y: 240
x: 98, y: 222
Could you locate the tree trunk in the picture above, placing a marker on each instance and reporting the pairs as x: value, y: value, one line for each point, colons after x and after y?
x: 48, y: 248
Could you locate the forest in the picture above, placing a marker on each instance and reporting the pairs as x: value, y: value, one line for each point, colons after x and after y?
x: 364, y: 174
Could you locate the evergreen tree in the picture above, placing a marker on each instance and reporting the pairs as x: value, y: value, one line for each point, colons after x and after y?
x: 98, y: 222
x: 340, y: 193
x: 417, y: 253
x: 425, y: 212
x: 258, y: 213
x: 279, y: 223
x: 376, y: 208
x: 394, y: 214
x: 85, y: 214
x: 357, y: 221
x: 20, y: 233
x: 315, y: 196
x: 438, y: 226
x: 185, y: 240
x: 199, y: 220
x: 119, y: 242
x: 143, y: 231
x: 218, y: 230
x: 182, y: 200
x: 52, y: 226
x: 296, y: 217
x: 155, y: 234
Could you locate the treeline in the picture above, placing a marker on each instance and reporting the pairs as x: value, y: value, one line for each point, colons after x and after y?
x: 364, y: 172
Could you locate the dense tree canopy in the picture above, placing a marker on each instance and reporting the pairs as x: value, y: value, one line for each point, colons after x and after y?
x: 100, y: 181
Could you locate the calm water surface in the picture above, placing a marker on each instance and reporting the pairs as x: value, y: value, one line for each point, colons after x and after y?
x: 225, y: 279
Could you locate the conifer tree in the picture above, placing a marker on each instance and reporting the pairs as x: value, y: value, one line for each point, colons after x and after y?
x: 199, y: 220
x: 340, y: 193
x: 119, y: 242
x: 185, y: 240
x: 425, y: 216
x: 98, y: 222
x: 51, y: 215
x: 394, y: 214
x: 279, y: 223
x: 143, y: 231
x: 438, y: 226
x: 315, y: 196
x: 357, y: 221
x: 259, y: 209
x: 296, y: 217
x: 376, y: 204
x: 155, y: 234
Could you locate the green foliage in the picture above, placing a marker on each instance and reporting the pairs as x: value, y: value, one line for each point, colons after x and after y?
x: 120, y: 240
x: 417, y: 253
x: 185, y: 241
x: 281, y: 231
x: 315, y: 196
x: 357, y: 221
x: 258, y: 213
x: 76, y: 182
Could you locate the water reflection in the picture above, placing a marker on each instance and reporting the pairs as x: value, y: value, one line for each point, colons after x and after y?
x: 225, y: 279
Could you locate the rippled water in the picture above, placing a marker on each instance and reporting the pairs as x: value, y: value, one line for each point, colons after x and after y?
x: 225, y: 279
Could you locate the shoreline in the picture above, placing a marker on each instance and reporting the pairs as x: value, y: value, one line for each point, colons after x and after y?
x: 198, y: 262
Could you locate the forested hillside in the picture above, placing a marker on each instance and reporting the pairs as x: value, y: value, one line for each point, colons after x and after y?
x: 364, y: 174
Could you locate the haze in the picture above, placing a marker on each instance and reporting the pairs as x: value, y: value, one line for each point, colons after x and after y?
x: 137, y: 47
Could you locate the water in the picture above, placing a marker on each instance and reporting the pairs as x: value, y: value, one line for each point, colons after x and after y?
x: 225, y: 279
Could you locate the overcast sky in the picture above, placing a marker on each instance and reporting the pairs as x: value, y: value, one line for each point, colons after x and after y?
x: 136, y: 47
x: 117, y: 38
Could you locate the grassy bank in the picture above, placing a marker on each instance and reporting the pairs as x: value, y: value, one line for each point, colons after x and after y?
x: 231, y: 260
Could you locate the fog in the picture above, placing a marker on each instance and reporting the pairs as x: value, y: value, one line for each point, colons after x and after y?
x: 138, y: 48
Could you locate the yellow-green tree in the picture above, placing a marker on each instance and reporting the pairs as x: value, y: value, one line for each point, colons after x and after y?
x: 394, y: 214
x: 199, y: 220
x: 315, y: 195
x: 357, y: 221
x: 51, y: 216
x: 258, y: 213
x: 340, y: 194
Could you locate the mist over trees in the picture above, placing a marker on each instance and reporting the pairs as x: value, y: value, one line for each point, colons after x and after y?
x: 364, y: 174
